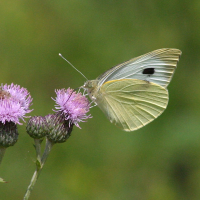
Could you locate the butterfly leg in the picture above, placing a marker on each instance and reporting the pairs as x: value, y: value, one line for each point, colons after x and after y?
x: 95, y: 104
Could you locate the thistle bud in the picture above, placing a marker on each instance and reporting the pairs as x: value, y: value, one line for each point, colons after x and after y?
x: 37, y: 127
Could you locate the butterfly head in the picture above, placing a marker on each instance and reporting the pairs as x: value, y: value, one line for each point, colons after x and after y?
x: 91, y: 86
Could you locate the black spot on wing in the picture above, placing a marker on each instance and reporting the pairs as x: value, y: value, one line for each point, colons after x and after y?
x: 149, y: 71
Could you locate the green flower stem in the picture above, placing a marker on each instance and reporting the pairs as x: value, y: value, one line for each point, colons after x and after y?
x: 38, y: 149
x: 2, y: 152
x: 39, y: 166
x: 47, y: 150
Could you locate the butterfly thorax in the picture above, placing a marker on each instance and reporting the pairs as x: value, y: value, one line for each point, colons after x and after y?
x: 91, y: 86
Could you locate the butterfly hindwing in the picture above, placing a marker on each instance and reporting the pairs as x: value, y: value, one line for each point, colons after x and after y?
x: 132, y: 103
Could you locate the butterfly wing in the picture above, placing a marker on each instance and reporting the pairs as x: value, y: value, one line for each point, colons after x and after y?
x: 131, y: 103
x: 157, y: 66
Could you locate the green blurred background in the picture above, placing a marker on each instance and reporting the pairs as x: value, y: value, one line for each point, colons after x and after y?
x: 158, y: 162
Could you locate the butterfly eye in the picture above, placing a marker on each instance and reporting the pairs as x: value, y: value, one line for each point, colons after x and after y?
x: 149, y: 71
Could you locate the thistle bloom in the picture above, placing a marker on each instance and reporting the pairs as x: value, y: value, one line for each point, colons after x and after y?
x: 73, y: 105
x: 14, y: 103
x: 71, y: 108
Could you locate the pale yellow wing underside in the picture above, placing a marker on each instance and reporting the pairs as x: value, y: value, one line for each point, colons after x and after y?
x: 131, y: 103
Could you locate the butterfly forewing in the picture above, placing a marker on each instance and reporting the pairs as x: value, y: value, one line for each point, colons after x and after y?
x: 132, y: 103
x: 157, y: 66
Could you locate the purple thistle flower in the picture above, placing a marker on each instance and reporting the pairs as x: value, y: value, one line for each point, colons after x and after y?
x: 14, y: 103
x: 73, y: 105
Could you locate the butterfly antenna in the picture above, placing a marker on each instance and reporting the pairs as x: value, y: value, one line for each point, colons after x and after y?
x: 72, y: 65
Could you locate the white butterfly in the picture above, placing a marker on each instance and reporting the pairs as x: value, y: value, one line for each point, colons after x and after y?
x: 134, y: 93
